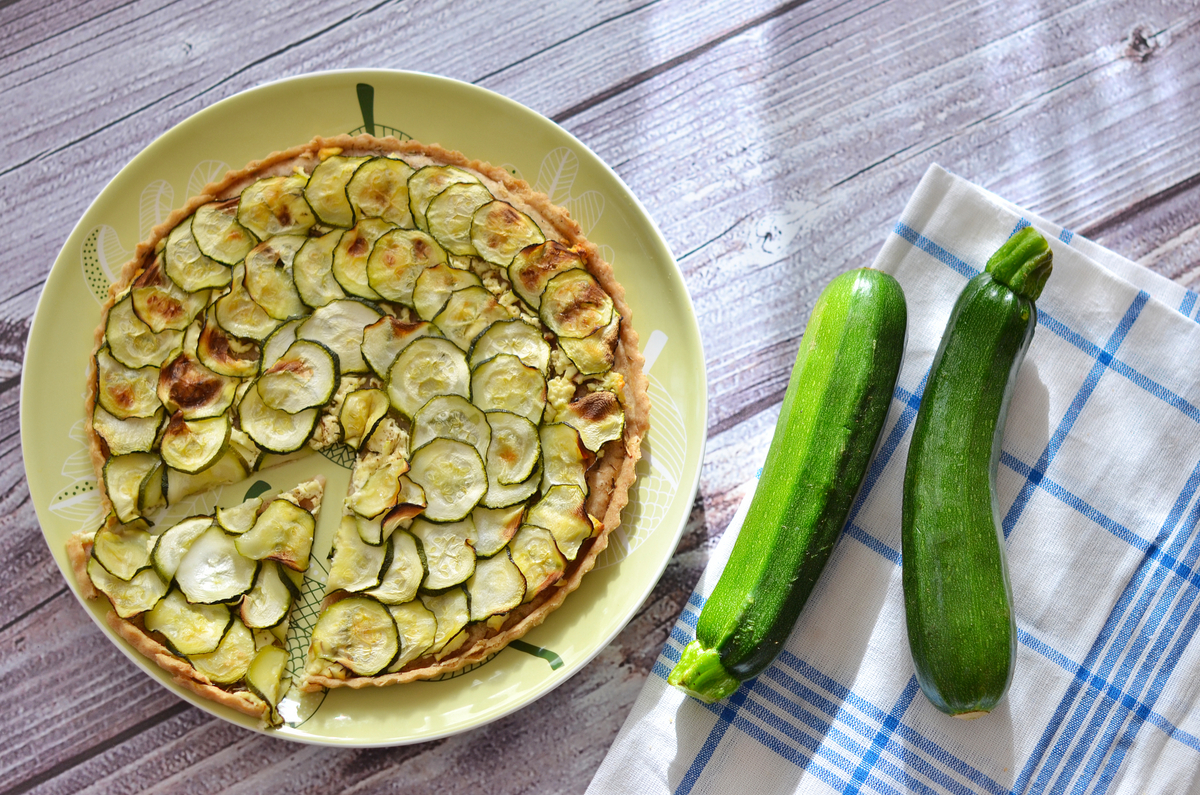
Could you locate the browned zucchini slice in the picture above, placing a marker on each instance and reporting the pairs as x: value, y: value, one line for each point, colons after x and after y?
x: 269, y: 278
x: 575, y: 305
x: 499, y: 231
x: 351, y: 254
x: 276, y: 206
x: 467, y: 313
x: 218, y: 234
x: 535, y: 265
x: 385, y: 338
x: 397, y: 259
x: 379, y: 189
x: 187, y: 386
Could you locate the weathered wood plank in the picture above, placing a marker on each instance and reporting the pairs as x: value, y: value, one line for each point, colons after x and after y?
x: 810, y: 182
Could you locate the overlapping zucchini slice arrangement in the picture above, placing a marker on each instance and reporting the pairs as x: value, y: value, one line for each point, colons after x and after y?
x: 210, y: 597
x: 395, y: 305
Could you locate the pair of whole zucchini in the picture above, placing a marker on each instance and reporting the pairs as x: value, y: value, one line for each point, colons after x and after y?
x: 957, y: 596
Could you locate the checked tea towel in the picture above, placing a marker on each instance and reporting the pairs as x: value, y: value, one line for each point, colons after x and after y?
x: 1099, y: 489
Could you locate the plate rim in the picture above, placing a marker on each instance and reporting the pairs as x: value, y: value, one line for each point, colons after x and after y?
x: 687, y: 491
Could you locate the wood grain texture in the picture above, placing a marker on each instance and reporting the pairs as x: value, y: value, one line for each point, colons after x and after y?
x: 774, y: 143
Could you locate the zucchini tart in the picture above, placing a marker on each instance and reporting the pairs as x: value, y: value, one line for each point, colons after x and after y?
x: 447, y: 327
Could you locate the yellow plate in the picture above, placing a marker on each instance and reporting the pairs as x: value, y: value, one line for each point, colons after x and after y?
x: 483, y: 125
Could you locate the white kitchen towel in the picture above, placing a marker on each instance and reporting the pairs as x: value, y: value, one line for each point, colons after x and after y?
x: 1098, y: 485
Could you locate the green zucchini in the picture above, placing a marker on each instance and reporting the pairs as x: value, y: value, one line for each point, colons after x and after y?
x: 957, y: 595
x: 832, y: 417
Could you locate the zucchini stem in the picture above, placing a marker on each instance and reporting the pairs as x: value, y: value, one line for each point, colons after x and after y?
x: 1023, y: 263
x: 700, y: 674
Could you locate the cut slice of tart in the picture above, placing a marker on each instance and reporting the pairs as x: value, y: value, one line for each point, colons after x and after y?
x: 209, y: 598
x: 449, y: 327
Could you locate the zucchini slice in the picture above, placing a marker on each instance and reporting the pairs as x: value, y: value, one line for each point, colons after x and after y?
x: 361, y: 411
x: 534, y: 266
x: 597, y: 416
x: 269, y: 279
x: 282, y: 532
x: 565, y: 459
x: 358, y: 633
x: 174, y: 544
x: 268, y: 602
x: 232, y: 657
x: 575, y: 305
x: 123, y: 549
x: 160, y: 303
x: 125, y: 392
x: 351, y: 254
x: 449, y: 215
x: 596, y: 353
x: 375, y: 485
x: 229, y: 468
x: 496, y: 587
x: 417, y: 626
x: 139, y: 593
x: 500, y: 495
x: 514, y: 450
x: 452, y: 475
x: 397, y: 259
x: 561, y: 511
x: 451, y: 417
x: 538, y: 557
x: 326, y: 190
x: 238, y: 312
x: 379, y: 189
x: 188, y: 628
x: 339, y: 327
x: 403, y: 574
x: 225, y: 354
x: 505, y: 383
x: 428, y: 182
x: 312, y: 270
x: 495, y: 527
x: 452, y: 614
x: 384, y: 339
x: 192, y: 446
x: 280, y: 340
x: 212, y: 570
x: 239, y: 518
x: 272, y: 429
x: 409, y: 504
x: 129, y: 480
x: 515, y: 337
x: 218, y: 234
x: 264, y: 677
x: 132, y: 343
x: 188, y: 387
x: 187, y: 266
x: 276, y: 206
x: 370, y: 530
x: 449, y: 557
x: 354, y: 565
x: 467, y: 313
x: 130, y: 435
x: 499, y: 231
x: 434, y: 286
x: 427, y: 368
x: 305, y: 376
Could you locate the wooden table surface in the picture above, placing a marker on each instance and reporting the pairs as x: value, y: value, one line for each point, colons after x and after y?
x: 774, y: 143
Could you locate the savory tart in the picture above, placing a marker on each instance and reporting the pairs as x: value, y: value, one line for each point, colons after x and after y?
x: 447, y: 325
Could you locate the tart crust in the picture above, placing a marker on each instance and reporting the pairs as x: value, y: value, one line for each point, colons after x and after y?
x: 609, y: 479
